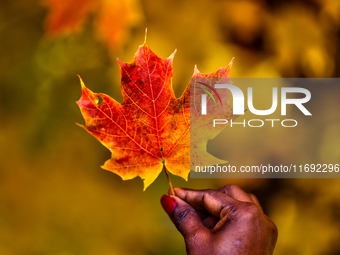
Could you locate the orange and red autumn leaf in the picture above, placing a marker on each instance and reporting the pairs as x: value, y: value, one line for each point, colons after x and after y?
x: 151, y: 128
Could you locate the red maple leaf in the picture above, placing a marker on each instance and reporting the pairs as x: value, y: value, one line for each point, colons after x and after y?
x: 150, y: 129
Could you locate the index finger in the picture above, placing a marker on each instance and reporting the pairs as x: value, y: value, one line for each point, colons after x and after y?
x: 216, y: 203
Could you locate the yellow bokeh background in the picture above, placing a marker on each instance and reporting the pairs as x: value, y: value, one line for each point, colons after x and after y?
x: 55, y: 198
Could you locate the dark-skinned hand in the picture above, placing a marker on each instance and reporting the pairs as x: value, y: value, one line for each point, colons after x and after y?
x: 225, y: 221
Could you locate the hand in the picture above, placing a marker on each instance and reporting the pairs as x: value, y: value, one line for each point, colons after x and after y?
x: 225, y: 221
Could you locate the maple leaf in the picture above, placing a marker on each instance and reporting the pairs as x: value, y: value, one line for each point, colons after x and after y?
x: 150, y: 129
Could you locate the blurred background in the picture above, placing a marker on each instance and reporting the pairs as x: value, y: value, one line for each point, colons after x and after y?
x: 55, y: 198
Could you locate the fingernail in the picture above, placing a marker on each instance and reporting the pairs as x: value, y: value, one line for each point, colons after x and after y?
x: 168, y: 204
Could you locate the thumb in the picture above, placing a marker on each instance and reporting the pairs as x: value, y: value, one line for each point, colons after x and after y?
x: 183, y: 215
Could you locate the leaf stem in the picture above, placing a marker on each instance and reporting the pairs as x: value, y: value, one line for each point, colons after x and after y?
x: 168, y: 177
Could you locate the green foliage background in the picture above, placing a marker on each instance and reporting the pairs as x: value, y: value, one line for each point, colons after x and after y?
x: 54, y: 197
